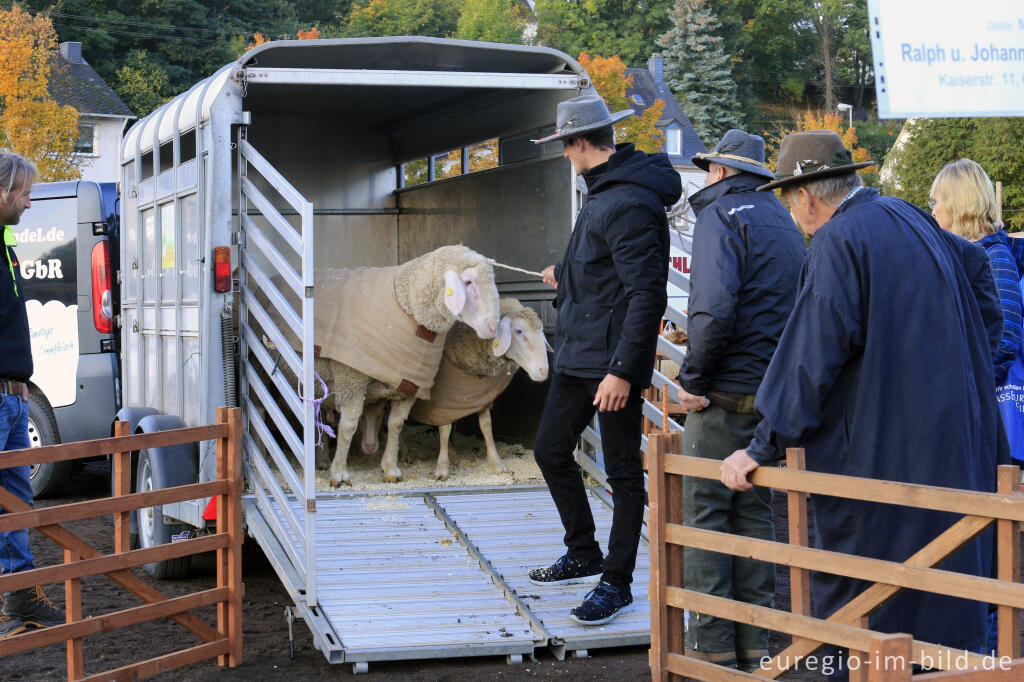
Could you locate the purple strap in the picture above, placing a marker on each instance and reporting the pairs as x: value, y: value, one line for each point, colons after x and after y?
x: 321, y: 427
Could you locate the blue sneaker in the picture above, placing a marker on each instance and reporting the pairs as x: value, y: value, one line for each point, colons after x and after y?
x: 602, y: 604
x: 568, y: 571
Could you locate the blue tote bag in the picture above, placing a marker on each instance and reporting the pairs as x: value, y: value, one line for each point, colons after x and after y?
x: 1010, y: 397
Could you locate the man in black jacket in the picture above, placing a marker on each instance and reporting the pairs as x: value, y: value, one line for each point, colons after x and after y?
x: 29, y: 607
x: 747, y: 255
x: 610, y: 297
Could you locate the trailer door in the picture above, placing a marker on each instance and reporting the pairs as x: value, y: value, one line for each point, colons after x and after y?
x: 275, y: 329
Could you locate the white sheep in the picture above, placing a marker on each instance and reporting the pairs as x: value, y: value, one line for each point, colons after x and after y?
x: 474, y: 372
x: 382, y: 331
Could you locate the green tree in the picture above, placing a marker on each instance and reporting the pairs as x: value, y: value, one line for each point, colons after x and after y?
x: 142, y: 85
x: 699, y: 71
x: 932, y: 143
x: 496, y: 21
x: 627, y: 28
x: 437, y: 18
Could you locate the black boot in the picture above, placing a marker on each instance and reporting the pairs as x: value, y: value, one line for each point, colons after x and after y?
x: 33, y: 607
x: 10, y: 626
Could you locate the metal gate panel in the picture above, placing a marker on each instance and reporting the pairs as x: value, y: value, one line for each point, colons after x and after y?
x: 276, y: 293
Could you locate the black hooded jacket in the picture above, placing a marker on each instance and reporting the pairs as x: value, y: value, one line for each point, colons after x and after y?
x: 611, y: 281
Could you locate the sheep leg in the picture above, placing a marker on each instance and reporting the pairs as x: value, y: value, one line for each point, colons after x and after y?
x: 400, y: 410
x: 493, y: 458
x: 350, y: 409
x: 441, y: 470
x: 373, y: 415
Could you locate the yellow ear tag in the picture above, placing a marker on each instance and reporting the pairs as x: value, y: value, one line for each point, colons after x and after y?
x: 495, y: 343
x: 449, y: 292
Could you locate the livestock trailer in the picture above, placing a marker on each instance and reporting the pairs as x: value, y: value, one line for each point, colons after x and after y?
x: 345, y: 153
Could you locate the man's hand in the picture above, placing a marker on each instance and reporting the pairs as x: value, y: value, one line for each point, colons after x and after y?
x: 612, y: 394
x: 690, y: 402
x: 735, y: 469
x: 548, y: 275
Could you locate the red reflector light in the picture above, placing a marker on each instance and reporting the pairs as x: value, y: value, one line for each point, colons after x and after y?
x: 102, y: 298
x: 222, y: 269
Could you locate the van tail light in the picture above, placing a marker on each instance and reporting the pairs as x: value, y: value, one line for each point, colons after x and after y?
x: 102, y: 298
x: 222, y: 269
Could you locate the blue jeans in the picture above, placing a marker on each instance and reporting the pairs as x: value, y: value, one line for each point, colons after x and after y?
x: 15, y: 554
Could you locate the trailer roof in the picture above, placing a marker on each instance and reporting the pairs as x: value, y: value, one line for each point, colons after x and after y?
x: 392, y: 105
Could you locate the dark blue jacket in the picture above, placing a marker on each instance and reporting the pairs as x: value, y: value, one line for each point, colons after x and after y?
x: 747, y: 255
x: 611, y: 293
x: 884, y: 371
x: 15, y: 343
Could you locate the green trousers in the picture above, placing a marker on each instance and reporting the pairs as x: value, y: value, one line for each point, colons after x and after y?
x: 715, y: 434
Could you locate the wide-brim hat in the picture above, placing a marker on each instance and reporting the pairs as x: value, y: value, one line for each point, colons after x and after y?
x: 811, y: 155
x: 739, y: 150
x: 581, y: 115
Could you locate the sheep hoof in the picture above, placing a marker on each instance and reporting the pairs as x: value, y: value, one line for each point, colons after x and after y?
x: 336, y: 481
x: 441, y: 475
x: 392, y: 476
x: 499, y: 468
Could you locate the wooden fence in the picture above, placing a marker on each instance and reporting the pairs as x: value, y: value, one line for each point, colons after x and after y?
x: 847, y: 627
x: 81, y: 559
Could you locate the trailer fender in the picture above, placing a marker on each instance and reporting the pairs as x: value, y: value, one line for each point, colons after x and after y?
x: 172, y: 464
x: 132, y: 415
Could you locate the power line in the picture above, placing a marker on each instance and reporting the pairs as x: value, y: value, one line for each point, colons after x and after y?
x: 135, y: 34
x: 126, y: 22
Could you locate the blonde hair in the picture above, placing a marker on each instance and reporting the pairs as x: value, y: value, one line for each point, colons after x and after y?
x: 968, y: 197
x: 15, y: 172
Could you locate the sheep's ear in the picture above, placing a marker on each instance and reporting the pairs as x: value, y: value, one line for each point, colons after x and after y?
x: 454, y: 292
x: 502, y: 339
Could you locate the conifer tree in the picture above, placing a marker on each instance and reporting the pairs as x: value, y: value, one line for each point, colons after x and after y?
x: 698, y: 69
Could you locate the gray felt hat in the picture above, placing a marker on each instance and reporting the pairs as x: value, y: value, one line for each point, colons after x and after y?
x: 738, y: 150
x: 580, y: 115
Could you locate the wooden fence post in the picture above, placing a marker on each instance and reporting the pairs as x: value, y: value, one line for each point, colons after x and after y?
x: 233, y: 507
x: 122, y: 486
x: 656, y: 590
x: 1008, y: 561
x: 889, y: 658
x: 799, y: 579
x: 676, y: 635
x: 73, y: 613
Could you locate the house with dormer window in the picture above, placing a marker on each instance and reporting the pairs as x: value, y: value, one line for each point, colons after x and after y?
x: 102, y: 115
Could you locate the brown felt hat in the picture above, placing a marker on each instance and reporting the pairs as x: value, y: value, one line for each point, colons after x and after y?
x: 812, y: 155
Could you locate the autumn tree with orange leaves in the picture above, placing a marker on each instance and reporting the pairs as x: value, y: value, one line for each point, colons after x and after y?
x: 31, y: 122
x: 608, y: 75
x: 818, y: 120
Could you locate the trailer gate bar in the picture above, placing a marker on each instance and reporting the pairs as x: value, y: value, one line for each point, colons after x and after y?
x: 443, y: 573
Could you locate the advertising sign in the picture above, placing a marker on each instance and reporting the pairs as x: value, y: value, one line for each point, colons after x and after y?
x: 940, y: 58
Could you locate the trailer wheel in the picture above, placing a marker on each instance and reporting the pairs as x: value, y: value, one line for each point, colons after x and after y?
x: 153, y: 530
x: 48, y: 478
x: 360, y: 668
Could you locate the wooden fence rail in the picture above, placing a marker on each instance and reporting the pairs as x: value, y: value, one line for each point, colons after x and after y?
x: 224, y: 641
x: 847, y: 627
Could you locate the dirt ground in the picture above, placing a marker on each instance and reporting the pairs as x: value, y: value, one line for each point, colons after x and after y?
x: 266, y: 654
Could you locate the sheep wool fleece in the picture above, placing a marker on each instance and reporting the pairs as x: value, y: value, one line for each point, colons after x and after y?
x: 457, y: 394
x: 360, y: 323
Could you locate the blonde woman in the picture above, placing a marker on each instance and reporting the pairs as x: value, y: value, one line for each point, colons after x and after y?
x: 963, y: 202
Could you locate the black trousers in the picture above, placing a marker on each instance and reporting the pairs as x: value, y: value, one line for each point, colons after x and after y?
x: 569, y: 408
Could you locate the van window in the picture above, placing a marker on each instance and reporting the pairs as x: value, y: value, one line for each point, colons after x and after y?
x: 47, y: 255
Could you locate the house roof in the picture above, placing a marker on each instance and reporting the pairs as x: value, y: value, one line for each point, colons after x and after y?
x: 76, y: 83
x: 648, y: 90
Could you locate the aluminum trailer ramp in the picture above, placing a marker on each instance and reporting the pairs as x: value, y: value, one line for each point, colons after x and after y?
x: 519, y: 530
x: 389, y: 565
